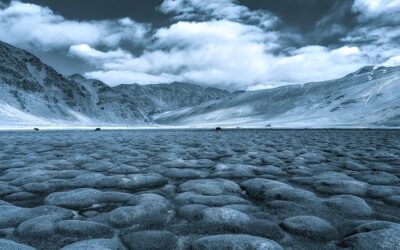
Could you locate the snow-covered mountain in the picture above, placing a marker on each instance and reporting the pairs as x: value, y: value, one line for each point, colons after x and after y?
x: 368, y: 97
x: 32, y: 94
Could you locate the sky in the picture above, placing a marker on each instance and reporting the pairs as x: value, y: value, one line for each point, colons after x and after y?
x: 230, y: 44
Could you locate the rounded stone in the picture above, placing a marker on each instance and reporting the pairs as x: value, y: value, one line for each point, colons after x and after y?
x: 192, y: 211
x: 289, y: 194
x: 145, y: 214
x: 388, y: 238
x: 235, y: 241
x: 12, y: 245
x: 95, y: 244
x: 209, y: 200
x: 39, y: 227
x: 37, y: 187
x: 224, y: 216
x: 264, y: 228
x: 393, y: 200
x: 349, y: 205
x: 310, y: 226
x: 211, y: 187
x: 257, y: 187
x: 11, y: 216
x: 85, y: 197
x: 85, y: 229
x: 177, y: 173
x: 79, y: 198
x: 150, y: 240
x: 6, y: 189
x: 140, y: 181
x: 352, y: 187
x: 20, y: 196
x: 377, y: 177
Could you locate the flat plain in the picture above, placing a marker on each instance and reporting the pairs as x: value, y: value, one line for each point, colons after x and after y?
x: 200, y: 189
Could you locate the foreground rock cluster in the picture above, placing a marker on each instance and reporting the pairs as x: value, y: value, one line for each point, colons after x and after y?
x: 235, y: 189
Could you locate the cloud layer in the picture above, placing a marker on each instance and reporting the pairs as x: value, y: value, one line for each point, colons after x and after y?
x: 215, y: 43
x: 29, y: 25
x: 374, y: 8
x: 205, y: 10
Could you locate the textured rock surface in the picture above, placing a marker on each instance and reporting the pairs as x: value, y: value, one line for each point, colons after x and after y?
x: 235, y: 241
x: 238, y: 189
x: 310, y: 226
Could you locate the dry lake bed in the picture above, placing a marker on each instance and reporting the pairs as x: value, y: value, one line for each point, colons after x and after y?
x: 200, y: 189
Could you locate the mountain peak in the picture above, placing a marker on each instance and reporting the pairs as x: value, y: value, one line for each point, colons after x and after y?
x: 77, y: 76
x: 365, y: 69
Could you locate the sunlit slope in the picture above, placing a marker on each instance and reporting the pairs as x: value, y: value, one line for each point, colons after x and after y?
x: 368, y: 97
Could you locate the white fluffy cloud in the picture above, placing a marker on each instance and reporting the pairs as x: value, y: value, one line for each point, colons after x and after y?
x: 217, y: 9
x: 217, y: 43
x: 378, y: 30
x: 226, y: 54
x: 218, y: 52
x: 313, y: 63
x: 378, y: 42
x: 187, y: 9
x: 224, y: 44
x: 373, y: 8
x: 27, y: 25
x: 86, y: 52
x: 393, y: 61
x: 114, y: 78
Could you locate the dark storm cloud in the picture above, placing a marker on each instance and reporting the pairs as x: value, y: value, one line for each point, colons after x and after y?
x: 139, y: 10
x: 301, y: 14
x: 244, y: 44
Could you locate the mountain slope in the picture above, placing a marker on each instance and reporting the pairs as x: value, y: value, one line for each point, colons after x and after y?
x: 156, y: 98
x: 37, y: 94
x: 33, y: 93
x: 368, y: 97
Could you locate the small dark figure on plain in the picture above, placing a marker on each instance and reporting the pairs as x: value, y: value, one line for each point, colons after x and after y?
x: 36, y: 129
x: 218, y: 129
x: 97, y: 130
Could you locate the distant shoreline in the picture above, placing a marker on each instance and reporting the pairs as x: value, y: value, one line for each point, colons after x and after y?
x: 55, y: 129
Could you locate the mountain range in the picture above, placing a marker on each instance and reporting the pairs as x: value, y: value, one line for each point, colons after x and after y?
x: 34, y: 94
x: 369, y: 97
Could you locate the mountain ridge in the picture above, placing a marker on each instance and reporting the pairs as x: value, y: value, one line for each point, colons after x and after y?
x: 34, y: 94
x: 330, y: 103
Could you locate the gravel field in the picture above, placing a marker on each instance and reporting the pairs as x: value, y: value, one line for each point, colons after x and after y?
x: 200, y: 189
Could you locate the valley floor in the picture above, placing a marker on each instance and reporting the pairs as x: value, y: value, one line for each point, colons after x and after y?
x: 108, y: 127
x: 200, y: 189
